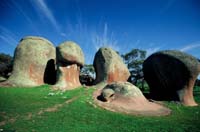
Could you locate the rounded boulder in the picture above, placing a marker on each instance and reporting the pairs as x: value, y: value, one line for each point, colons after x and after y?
x: 126, y: 98
x: 125, y: 89
x: 70, y: 52
x: 109, y: 66
x: 31, y: 58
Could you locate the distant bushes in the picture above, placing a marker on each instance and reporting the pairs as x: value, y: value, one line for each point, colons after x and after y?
x: 6, y: 63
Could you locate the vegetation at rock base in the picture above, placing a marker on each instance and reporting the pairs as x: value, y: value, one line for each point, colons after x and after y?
x: 89, y: 70
x: 87, y: 75
x: 134, y: 60
x: 5, y: 65
x: 40, y: 109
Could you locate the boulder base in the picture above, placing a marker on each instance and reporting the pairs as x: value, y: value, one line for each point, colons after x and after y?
x: 68, y: 77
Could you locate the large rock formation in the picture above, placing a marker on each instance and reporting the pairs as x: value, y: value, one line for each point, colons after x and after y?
x: 70, y: 59
x: 109, y: 67
x: 32, y: 59
x: 171, y: 76
x: 126, y: 98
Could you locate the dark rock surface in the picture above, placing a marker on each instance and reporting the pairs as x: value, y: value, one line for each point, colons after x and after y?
x: 171, y: 76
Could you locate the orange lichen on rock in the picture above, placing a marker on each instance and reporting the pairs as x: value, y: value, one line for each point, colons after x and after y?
x: 35, y: 76
x: 69, y: 77
x: 30, y: 61
x: 117, y: 75
x: 109, y: 67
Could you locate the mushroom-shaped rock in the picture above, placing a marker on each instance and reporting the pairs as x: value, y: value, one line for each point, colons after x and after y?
x: 70, y: 59
x: 109, y: 66
x: 171, y: 76
x: 33, y: 62
x: 124, y: 97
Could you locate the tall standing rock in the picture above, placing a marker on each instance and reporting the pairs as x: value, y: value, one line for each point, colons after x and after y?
x: 30, y: 62
x: 70, y: 59
x: 171, y: 76
x: 109, y: 67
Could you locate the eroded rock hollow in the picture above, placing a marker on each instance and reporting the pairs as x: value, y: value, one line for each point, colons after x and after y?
x: 171, y: 76
x: 124, y: 97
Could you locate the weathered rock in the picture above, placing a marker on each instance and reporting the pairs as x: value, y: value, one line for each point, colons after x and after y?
x: 70, y: 53
x: 70, y: 59
x: 123, y: 88
x: 109, y: 67
x: 30, y: 62
x: 107, y: 94
x: 2, y: 79
x: 171, y: 76
x: 126, y: 98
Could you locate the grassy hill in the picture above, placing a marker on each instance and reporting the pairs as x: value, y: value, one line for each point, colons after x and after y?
x: 40, y: 109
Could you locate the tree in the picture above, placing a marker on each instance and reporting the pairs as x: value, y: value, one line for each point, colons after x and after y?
x: 134, y: 60
x: 87, y: 75
x: 5, y: 65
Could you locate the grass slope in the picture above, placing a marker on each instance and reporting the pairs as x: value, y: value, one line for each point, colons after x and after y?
x: 41, y: 110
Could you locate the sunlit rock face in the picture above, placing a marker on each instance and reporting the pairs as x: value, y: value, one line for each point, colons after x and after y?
x: 70, y: 59
x: 125, y: 89
x: 171, y: 76
x: 109, y: 67
x: 33, y: 60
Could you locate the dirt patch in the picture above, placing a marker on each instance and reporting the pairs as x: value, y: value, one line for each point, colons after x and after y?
x: 29, y: 115
x: 132, y: 106
x: 57, y: 106
x: 5, y: 84
x: 2, y: 123
x: 7, y: 119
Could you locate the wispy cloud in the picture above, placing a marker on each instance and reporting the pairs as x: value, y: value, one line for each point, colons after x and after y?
x: 45, y: 10
x: 79, y: 32
x: 191, y: 46
x: 105, y: 40
x: 90, y: 38
x: 27, y: 18
x: 8, y: 37
x: 63, y: 34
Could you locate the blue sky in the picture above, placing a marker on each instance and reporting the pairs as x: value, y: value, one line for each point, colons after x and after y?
x: 151, y: 25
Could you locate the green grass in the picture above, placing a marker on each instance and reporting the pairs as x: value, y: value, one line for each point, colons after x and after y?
x: 20, y: 108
